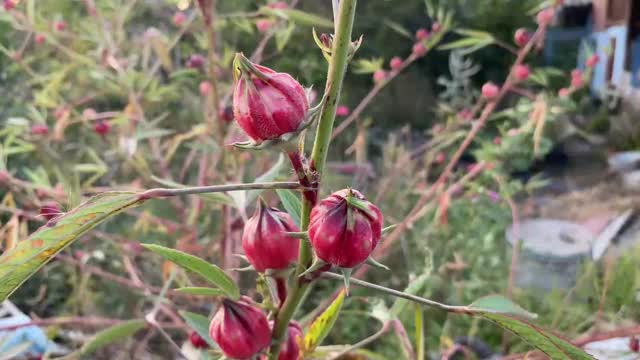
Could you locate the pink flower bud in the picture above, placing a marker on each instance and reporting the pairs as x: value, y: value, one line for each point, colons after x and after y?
x: 50, y: 210
x: 290, y: 349
x: 522, y: 37
x: 263, y: 25
x: 422, y: 34
x: 196, y: 61
x: 265, y: 242
x: 497, y: 140
x: 395, y: 63
x: 577, y: 79
x: 267, y: 104
x: 419, y: 49
x: 39, y: 38
x: 60, y: 25
x: 345, y: 228
x: 593, y: 60
x: 205, y: 88
x: 436, y: 27
x: 240, y: 329
x: 576, y: 73
x: 545, y: 17
x: 39, y: 129
x: 197, y: 341
x: 9, y: 5
x: 226, y: 114
x: 102, y: 127
x: 279, y: 5
x: 379, y: 76
x: 178, y: 20
x: 490, y: 91
x: 563, y: 93
x: 342, y: 110
x: 521, y: 72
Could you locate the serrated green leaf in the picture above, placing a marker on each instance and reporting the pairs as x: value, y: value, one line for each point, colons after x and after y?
x: 21, y: 262
x: 201, y: 291
x: 322, y: 325
x: 111, y: 335
x: 502, y: 305
x: 291, y: 204
x: 217, y: 197
x: 199, y: 324
x: 208, y: 271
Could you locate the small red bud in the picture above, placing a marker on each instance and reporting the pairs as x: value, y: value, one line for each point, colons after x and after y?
x: 60, y: 25
x: 395, y: 63
x: 290, y: 349
x: 342, y: 110
x: 545, y: 17
x: 379, y: 76
x: 9, y: 5
x: 39, y: 129
x: 50, y: 210
x: 436, y: 27
x: 345, y: 228
x: 419, y: 49
x: 490, y: 91
x: 593, y: 60
x: 240, y: 329
x: 197, y: 341
x: 205, y: 88
x: 102, y: 127
x: 226, y: 113
x: 263, y: 25
x: 522, y: 72
x: 267, y: 104
x: 39, y: 39
x: 577, y: 80
x: 563, y: 93
x: 265, y: 242
x: 279, y: 5
x: 634, y: 344
x: 196, y: 61
x: 178, y: 20
x: 522, y: 37
x: 422, y: 34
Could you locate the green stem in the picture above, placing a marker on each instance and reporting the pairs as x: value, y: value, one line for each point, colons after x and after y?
x: 335, y: 77
x: 161, y: 192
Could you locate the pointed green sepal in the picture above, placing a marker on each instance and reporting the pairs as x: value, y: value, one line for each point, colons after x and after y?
x: 346, y: 273
x: 372, y: 262
x: 316, y: 265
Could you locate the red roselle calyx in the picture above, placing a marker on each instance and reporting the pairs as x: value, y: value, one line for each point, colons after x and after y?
x: 267, y: 104
x: 265, y: 240
x: 240, y: 328
x: 102, y: 127
x: 197, y: 341
x: 290, y: 349
x: 50, y: 210
x: 345, y: 228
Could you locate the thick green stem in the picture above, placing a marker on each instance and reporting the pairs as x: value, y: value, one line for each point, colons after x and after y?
x: 335, y: 77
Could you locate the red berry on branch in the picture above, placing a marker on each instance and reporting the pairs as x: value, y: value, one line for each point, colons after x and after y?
x: 196, y: 61
x: 545, y: 17
x: 263, y: 25
x: 60, y: 25
x: 102, y: 127
x: 39, y: 38
x: 39, y: 129
x: 395, y: 63
x: 205, y: 88
x: 379, y: 76
x: 564, y: 92
x: 422, y: 34
x: 267, y: 104
x: 265, y: 240
x: 593, y: 60
x: 419, y: 49
x: 345, y: 228
x: 490, y: 91
x: 179, y: 18
x: 522, y: 37
x: 197, y: 341
x: 240, y: 329
x: 521, y: 72
x: 342, y: 110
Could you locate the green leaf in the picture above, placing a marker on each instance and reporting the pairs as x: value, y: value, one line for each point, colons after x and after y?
x: 415, y: 287
x: 111, y: 335
x: 210, y: 272
x: 368, y: 66
x: 282, y: 37
x: 218, y: 197
x: 199, y: 324
x: 398, y: 28
x: 291, y: 203
x: 502, y: 305
x: 201, y: 291
x: 470, y: 42
x: 322, y: 325
x: 21, y: 262
x: 299, y: 17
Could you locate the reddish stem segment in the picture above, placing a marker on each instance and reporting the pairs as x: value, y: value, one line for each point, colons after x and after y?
x: 281, y: 287
x: 298, y: 163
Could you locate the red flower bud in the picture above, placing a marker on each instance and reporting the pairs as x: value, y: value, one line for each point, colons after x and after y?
x: 593, y: 60
x: 279, y: 5
x: 419, y: 49
x: 563, y: 93
x: 265, y: 241
x: 577, y: 80
x: 60, y: 25
x: 197, y: 341
x: 521, y: 72
x: 634, y: 344
x: 395, y: 63
x: 9, y: 5
x: 342, y: 110
x: 240, y: 329
x: 50, y: 210
x: 522, y: 37
x: 263, y: 25
x: 205, y: 88
x: 196, y: 61
x: 436, y: 27
x: 226, y: 114
x: 267, y: 104
x: 379, y: 76
x: 39, y: 129
x: 290, y: 349
x: 345, y: 228
x: 490, y: 91
x: 102, y: 127
x: 39, y: 39
x: 545, y: 17
x: 422, y: 34
x: 178, y: 20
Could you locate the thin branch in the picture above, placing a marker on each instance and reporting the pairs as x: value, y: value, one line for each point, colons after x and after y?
x: 364, y: 342
x: 162, y: 192
x: 83, y: 321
